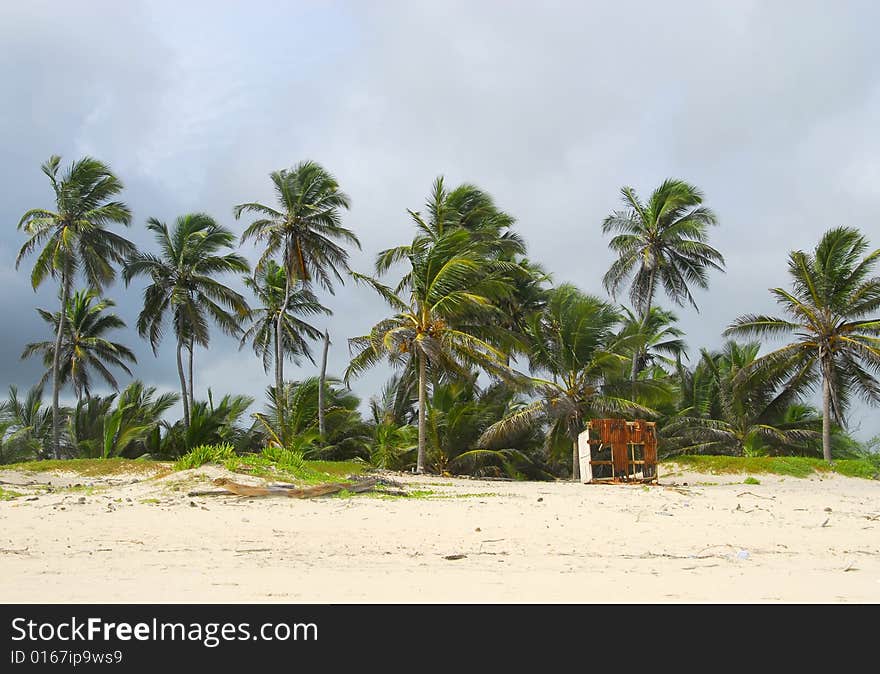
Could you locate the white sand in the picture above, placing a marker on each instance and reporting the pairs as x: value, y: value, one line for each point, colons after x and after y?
x: 787, y: 539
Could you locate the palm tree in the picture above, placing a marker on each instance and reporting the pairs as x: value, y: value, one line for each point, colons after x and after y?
x: 663, y: 240
x: 394, y: 436
x: 27, y: 425
x: 661, y: 341
x: 574, y: 343
x: 269, y: 285
x: 305, y: 228
x: 832, y: 311
x: 460, y: 412
x: 137, y: 413
x: 83, y: 345
x: 209, y: 424
x: 753, y: 417
x: 75, y: 238
x: 451, y: 294
x: 466, y: 207
x: 294, y: 423
x: 183, y: 285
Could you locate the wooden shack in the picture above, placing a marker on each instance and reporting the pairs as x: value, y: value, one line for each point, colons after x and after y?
x: 616, y: 450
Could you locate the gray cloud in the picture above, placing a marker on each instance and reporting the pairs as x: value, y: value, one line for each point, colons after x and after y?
x: 770, y: 108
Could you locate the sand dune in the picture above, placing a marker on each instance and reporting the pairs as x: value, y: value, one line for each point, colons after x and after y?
x: 131, y: 539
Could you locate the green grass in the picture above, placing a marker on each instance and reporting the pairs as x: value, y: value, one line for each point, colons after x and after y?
x: 794, y: 466
x: 751, y: 480
x: 339, y: 468
x: 8, y: 494
x: 84, y: 489
x: 91, y: 467
x: 273, y: 463
x: 199, y: 456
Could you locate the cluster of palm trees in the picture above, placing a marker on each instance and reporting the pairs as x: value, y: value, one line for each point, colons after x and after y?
x: 496, y: 370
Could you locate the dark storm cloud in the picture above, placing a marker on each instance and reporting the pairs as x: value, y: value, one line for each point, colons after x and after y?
x: 770, y: 108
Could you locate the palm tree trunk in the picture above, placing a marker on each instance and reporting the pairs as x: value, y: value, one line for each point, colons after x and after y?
x: 321, y: 422
x: 279, y: 371
x: 423, y: 401
x: 638, y: 352
x: 56, y: 366
x: 826, y: 413
x: 279, y: 350
x: 182, y: 383
x: 575, y: 462
x: 190, y: 382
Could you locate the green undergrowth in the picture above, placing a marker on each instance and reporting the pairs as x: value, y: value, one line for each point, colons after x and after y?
x: 93, y: 467
x: 794, y: 466
x: 8, y: 494
x: 275, y: 463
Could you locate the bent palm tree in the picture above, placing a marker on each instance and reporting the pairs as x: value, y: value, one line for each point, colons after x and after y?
x: 452, y: 293
x: 305, y: 228
x: 75, y: 238
x: 573, y: 342
x: 663, y: 240
x: 83, y: 345
x: 183, y: 286
x: 832, y: 311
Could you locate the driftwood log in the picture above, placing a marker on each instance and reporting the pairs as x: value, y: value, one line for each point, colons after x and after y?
x: 287, y: 490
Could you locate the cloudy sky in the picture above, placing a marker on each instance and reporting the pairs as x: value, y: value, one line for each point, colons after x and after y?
x: 771, y: 108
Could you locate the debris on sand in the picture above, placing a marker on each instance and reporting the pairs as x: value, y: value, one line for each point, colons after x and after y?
x: 288, y: 490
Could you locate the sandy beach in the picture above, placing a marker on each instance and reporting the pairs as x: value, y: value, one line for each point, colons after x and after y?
x: 693, y: 538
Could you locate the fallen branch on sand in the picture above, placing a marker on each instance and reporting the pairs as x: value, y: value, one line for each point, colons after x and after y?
x: 288, y: 490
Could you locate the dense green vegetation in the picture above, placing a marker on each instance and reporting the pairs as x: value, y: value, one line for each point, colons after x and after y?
x: 493, y: 370
x: 794, y: 466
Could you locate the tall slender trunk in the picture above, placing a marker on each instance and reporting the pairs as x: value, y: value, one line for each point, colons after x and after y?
x: 575, y: 462
x: 423, y: 401
x: 190, y: 382
x: 638, y: 351
x: 56, y: 366
x: 321, y: 422
x: 182, y: 383
x: 279, y: 374
x: 279, y: 349
x: 826, y: 412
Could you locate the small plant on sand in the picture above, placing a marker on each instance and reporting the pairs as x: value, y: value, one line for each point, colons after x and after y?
x: 7, y: 495
x: 283, y: 457
x: 751, y: 480
x: 198, y: 456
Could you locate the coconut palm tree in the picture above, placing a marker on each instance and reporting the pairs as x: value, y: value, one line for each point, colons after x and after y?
x: 574, y: 343
x: 662, y: 342
x: 269, y: 285
x: 306, y: 229
x: 75, y: 238
x: 753, y: 416
x: 661, y: 242
x: 832, y: 312
x: 466, y: 207
x: 450, y: 295
x: 83, y: 345
x: 183, y: 286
